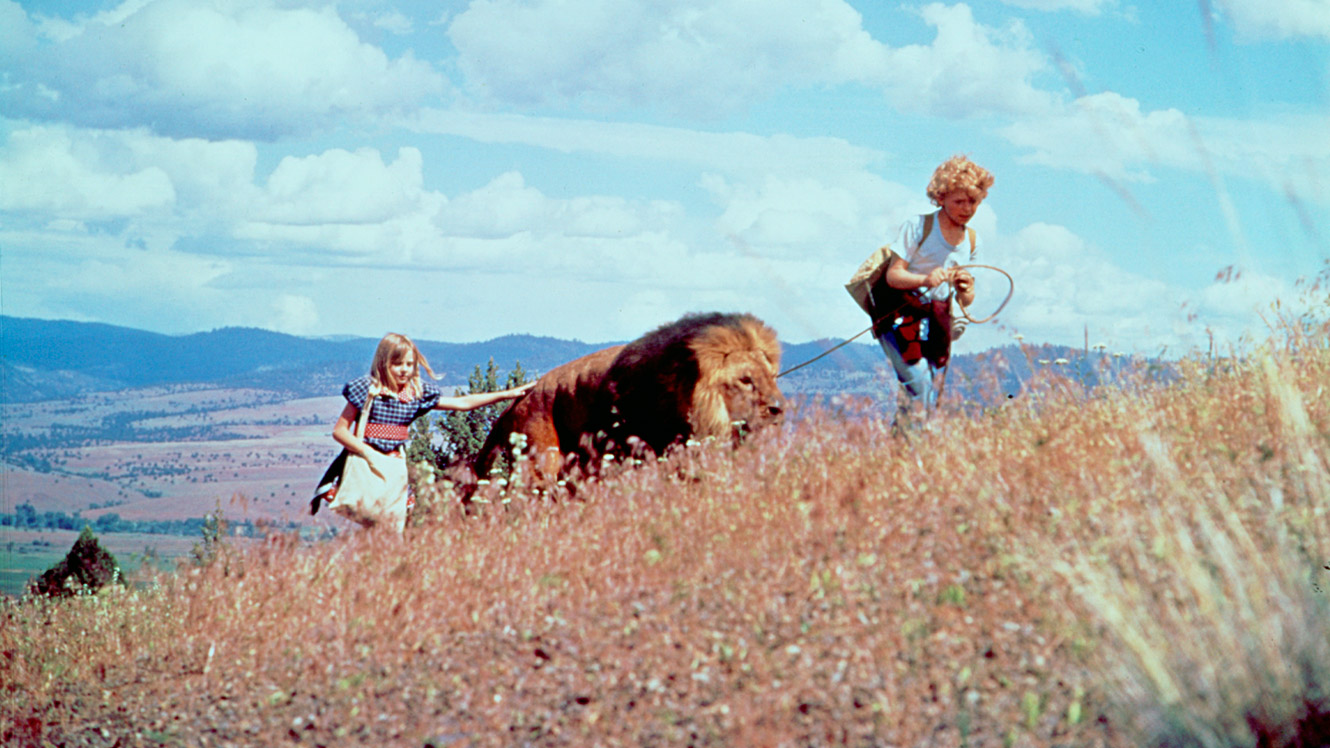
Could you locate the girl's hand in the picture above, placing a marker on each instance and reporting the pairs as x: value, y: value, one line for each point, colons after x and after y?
x: 522, y: 389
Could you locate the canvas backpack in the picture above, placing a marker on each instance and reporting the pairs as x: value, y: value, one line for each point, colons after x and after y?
x: 873, y: 271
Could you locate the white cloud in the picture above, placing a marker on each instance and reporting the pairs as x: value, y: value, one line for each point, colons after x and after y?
x: 394, y: 22
x: 395, y: 241
x: 1278, y: 19
x: 1066, y: 287
x: 727, y: 152
x: 1290, y: 153
x: 1108, y: 134
x: 294, y: 315
x: 56, y: 172
x: 968, y: 69
x: 47, y: 172
x: 200, y: 196
x: 508, y: 206
x: 785, y: 217
x: 339, y: 187
x: 705, y: 59
x: 1105, y: 134
x: 1242, y: 304
x: 98, y: 276
x: 1088, y: 7
x: 18, y: 35
x: 250, y: 68
x: 690, y: 57
x: 288, y: 248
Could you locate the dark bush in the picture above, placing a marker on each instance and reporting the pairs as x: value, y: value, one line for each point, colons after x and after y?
x: 87, y: 568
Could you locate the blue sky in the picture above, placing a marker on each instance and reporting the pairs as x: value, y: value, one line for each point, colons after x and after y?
x: 590, y: 169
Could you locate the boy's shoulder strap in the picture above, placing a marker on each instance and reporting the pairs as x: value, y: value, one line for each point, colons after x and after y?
x: 928, y: 228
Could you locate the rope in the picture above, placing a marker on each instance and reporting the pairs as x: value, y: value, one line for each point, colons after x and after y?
x: 826, y: 353
x: 1010, y: 290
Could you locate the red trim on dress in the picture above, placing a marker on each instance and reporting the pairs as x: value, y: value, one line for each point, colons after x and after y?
x: 388, y: 432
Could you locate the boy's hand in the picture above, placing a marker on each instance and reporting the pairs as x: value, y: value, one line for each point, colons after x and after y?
x: 936, y: 277
x: 963, y: 281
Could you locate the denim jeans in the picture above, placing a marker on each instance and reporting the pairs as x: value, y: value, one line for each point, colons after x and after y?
x: 918, y: 379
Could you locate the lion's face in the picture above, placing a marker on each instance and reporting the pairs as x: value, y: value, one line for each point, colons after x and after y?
x: 736, y: 392
x: 752, y: 399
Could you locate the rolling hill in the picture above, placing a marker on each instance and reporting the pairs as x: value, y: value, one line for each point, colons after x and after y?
x: 51, y: 359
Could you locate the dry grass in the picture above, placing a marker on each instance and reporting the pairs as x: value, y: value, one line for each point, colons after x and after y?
x: 1117, y: 567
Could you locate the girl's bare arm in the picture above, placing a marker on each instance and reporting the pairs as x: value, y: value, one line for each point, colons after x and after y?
x: 481, y: 399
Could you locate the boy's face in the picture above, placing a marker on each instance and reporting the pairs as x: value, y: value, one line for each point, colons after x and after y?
x: 960, y: 205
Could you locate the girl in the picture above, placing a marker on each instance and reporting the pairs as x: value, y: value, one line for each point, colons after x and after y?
x: 917, y: 339
x: 399, y: 396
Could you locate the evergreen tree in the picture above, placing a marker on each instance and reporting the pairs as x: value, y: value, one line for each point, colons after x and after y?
x: 213, y: 534
x: 87, y: 568
x: 458, y: 435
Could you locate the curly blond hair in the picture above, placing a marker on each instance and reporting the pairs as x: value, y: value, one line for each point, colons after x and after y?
x: 959, y: 173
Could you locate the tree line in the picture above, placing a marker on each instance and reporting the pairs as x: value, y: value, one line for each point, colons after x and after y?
x: 26, y: 517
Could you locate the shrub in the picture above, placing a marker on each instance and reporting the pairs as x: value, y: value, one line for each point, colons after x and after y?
x: 85, y: 569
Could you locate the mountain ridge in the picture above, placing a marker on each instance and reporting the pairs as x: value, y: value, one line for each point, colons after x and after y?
x: 50, y: 359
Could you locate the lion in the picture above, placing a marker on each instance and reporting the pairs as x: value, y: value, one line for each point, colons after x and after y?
x: 704, y: 375
x: 552, y: 416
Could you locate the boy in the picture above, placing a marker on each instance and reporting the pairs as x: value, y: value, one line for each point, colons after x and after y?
x: 911, y: 305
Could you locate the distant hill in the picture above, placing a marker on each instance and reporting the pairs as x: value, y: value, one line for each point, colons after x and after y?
x: 48, y: 359
x: 51, y: 359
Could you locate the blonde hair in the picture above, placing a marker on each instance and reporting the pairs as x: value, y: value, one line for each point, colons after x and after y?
x: 392, y: 349
x: 959, y: 173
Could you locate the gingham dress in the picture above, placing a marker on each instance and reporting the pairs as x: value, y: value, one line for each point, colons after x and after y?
x: 386, y: 430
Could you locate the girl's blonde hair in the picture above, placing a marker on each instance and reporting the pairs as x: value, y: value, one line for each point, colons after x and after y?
x: 959, y: 173
x: 392, y: 349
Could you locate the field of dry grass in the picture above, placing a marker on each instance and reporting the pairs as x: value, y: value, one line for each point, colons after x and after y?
x: 244, y: 442
x: 1117, y: 567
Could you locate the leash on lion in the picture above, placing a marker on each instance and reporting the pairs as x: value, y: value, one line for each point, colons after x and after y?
x: 866, y: 280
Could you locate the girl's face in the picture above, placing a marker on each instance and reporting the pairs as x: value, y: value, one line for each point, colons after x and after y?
x: 403, y: 370
x: 960, y: 205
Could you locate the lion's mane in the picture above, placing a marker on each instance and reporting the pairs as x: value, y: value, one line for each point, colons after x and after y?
x: 698, y: 377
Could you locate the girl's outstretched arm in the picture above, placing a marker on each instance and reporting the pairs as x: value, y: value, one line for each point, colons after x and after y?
x: 481, y: 399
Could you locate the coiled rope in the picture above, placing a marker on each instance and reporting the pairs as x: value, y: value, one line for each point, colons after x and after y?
x: 1011, y: 289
